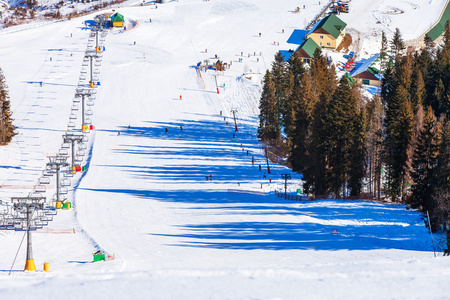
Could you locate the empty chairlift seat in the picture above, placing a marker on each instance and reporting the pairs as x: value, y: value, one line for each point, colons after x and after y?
x: 44, y: 180
x: 65, y: 182
x: 39, y: 188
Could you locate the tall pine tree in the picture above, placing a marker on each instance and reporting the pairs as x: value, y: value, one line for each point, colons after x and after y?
x: 269, y: 116
x: 7, y: 131
x: 424, y: 161
x: 303, y: 121
x: 399, y: 130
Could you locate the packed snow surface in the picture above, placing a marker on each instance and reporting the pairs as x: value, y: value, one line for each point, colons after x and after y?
x: 144, y: 196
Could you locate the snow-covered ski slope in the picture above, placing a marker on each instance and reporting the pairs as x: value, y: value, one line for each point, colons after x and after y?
x: 145, y: 197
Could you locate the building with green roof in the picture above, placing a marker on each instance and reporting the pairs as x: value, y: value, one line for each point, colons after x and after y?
x: 306, y: 50
x: 329, y: 32
x: 117, y: 20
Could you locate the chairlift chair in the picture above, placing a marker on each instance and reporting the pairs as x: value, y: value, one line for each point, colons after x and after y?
x: 44, y: 180
x: 73, y: 116
x: 87, y: 121
x: 68, y: 174
x: 39, y: 188
x: 82, y: 146
x: 80, y: 152
x: 63, y: 152
x: 47, y: 174
x: 89, y: 112
x: 90, y: 103
x: 71, y: 125
x: 65, y: 182
x: 75, y: 108
x: 85, y: 139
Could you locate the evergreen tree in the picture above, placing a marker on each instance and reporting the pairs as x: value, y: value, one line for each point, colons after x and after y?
x: 397, y: 43
x: 283, y: 81
x: 383, y: 51
x: 439, y: 96
x: 417, y: 89
x: 424, y: 162
x: 403, y: 72
x: 324, y: 77
x: 443, y: 160
x: 375, y: 120
x: 446, y: 38
x: 7, y: 130
x: 399, y: 130
x: 345, y: 124
x: 358, y: 152
x: 441, y: 192
x: 429, y: 44
x: 338, y: 124
x: 317, y: 146
x: 296, y: 71
x: 315, y: 171
x: 303, y: 120
x: 269, y: 117
x: 387, y: 85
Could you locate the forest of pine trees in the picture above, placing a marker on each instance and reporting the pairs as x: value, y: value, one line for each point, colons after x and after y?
x: 395, y: 145
x: 6, y: 127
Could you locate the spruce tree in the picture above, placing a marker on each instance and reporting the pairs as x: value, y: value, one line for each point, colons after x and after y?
x: 315, y: 170
x: 303, y: 120
x: 399, y: 130
x: 417, y: 89
x: 397, y: 43
x: 358, y: 152
x: 441, y: 191
x: 338, y: 124
x: 269, y: 117
x: 324, y: 77
x: 283, y: 81
x: 442, y: 173
x: 296, y: 72
x: 424, y: 162
x: 375, y: 119
x: 7, y: 130
x: 429, y: 44
x: 383, y: 51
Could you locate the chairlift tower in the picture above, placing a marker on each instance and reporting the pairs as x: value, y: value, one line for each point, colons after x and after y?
x: 82, y: 93
x: 91, y: 55
x: 72, y: 139
x: 54, y: 165
x: 97, y: 29
x: 26, y: 219
x: 286, y: 177
x: 234, y: 111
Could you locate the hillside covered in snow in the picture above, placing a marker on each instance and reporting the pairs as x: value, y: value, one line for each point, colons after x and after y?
x: 183, y: 201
